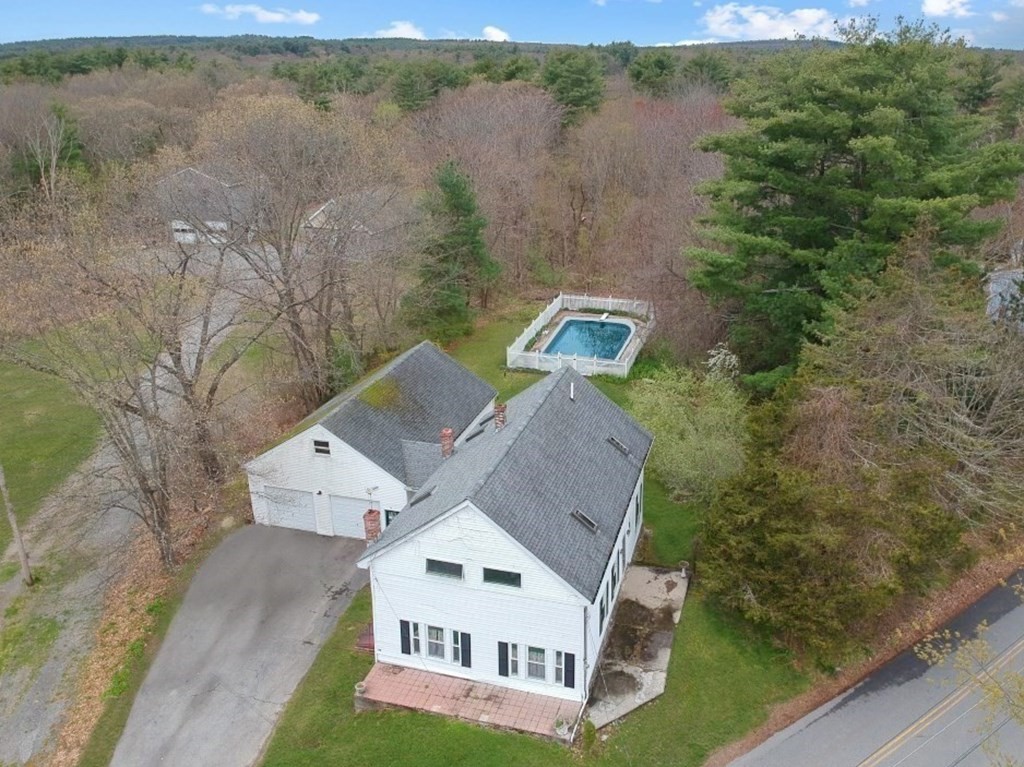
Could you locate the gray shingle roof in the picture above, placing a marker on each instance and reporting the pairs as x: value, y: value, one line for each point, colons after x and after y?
x: 554, y: 456
x: 421, y: 460
x: 1004, y: 293
x: 192, y: 195
x: 407, y: 401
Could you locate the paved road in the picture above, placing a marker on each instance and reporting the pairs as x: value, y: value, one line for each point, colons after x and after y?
x: 251, y: 624
x: 908, y: 714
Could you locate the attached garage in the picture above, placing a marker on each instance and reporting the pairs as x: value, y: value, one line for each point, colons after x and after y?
x: 291, y: 508
x: 347, y: 516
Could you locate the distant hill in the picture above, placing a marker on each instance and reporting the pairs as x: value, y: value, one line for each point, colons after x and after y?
x: 256, y: 45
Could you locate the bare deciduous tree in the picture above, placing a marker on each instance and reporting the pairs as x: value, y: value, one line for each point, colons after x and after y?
x: 501, y: 136
x: 144, y: 336
x: 312, y: 189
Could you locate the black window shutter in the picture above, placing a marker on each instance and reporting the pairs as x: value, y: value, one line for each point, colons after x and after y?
x: 502, y: 658
x: 406, y: 641
x: 464, y: 643
x: 570, y: 670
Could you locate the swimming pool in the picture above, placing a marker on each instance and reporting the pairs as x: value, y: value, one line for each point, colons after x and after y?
x: 604, y: 339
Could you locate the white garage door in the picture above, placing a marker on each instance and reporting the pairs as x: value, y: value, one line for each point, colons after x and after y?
x: 291, y: 508
x: 347, y: 515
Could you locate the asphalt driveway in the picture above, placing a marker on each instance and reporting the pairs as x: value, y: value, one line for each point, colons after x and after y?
x: 251, y: 624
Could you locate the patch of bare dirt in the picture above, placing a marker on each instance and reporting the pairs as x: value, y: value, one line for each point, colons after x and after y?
x: 899, y: 629
x: 638, y: 631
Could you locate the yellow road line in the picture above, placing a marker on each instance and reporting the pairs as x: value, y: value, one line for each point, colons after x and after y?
x: 943, y: 707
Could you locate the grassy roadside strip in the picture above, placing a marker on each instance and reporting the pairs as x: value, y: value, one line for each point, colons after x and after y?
x: 142, y: 616
x: 45, y: 433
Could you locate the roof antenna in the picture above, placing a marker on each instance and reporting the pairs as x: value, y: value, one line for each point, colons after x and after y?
x: 572, y: 390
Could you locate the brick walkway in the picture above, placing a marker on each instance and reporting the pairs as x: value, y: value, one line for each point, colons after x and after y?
x: 472, y: 701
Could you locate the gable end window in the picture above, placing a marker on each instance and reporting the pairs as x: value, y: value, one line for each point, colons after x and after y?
x: 321, y: 447
x: 447, y: 569
x: 503, y: 577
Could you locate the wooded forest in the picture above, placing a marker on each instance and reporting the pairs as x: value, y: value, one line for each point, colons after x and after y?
x: 813, y: 222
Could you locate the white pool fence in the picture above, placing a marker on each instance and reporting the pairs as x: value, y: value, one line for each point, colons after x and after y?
x: 517, y: 356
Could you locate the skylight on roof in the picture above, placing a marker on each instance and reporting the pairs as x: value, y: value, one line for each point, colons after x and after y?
x: 422, y: 495
x: 617, y: 444
x: 584, y: 520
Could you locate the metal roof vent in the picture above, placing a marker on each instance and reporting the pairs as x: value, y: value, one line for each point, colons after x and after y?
x: 584, y: 520
x: 617, y: 444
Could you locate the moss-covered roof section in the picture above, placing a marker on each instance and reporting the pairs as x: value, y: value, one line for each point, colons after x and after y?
x: 410, y: 399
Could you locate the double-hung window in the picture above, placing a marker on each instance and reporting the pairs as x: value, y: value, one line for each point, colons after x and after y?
x: 559, y: 667
x: 435, y: 642
x: 513, y: 659
x: 456, y: 648
x: 416, y: 638
x: 321, y: 447
x: 536, y: 663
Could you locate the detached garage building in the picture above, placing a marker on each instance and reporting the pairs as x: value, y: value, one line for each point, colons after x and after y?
x: 371, y: 447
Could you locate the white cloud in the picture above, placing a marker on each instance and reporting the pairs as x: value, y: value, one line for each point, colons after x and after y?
x: 401, y: 29
x: 957, y: 8
x: 687, y: 42
x: 966, y: 34
x: 765, y: 22
x: 495, y: 34
x: 1000, y: 16
x: 859, y: 3
x: 261, y: 14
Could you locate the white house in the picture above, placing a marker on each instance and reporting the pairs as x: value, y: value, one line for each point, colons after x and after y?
x: 370, y: 447
x: 505, y: 566
x: 201, y: 208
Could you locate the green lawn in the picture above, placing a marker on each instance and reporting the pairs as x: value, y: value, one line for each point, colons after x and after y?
x: 721, y: 680
x: 720, y: 686
x: 45, y: 433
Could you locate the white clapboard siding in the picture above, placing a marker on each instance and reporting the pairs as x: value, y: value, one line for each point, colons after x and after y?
x: 290, y: 508
x: 545, y: 612
x: 630, y: 534
x: 345, y: 472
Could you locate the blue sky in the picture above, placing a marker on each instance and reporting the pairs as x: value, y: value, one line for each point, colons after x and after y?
x: 988, y: 23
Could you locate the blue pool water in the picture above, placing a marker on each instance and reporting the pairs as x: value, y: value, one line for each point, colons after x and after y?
x: 590, y: 338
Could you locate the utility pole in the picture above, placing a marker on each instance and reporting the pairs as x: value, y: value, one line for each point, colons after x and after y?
x: 26, y: 573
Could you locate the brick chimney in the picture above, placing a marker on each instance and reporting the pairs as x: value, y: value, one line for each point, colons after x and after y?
x: 371, y: 524
x: 447, y: 442
x: 499, y: 415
